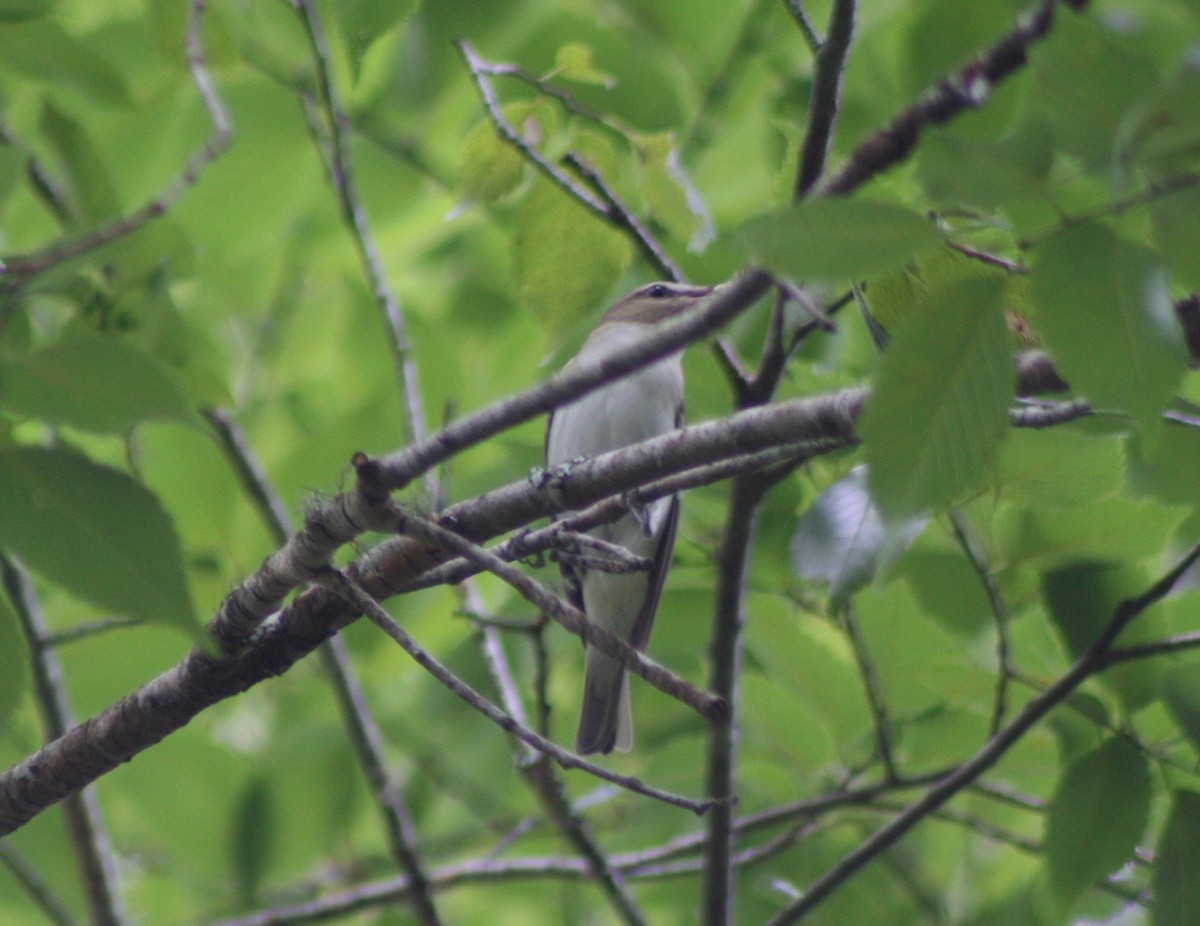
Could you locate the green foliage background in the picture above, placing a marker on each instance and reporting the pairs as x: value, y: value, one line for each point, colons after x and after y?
x: 247, y: 294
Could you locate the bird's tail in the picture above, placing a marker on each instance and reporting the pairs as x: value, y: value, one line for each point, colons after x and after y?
x: 606, y: 721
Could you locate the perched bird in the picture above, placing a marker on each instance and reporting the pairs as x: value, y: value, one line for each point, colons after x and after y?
x: 640, y: 406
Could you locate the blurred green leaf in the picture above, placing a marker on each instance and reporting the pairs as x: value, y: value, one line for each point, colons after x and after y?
x: 1176, y: 887
x: 1181, y: 693
x: 574, y: 61
x: 1109, y: 529
x: 1096, y: 817
x: 15, y: 11
x: 1089, y: 83
x: 95, y: 383
x: 1177, y: 235
x: 95, y: 532
x: 939, y: 410
x: 964, y: 171
x: 670, y: 193
x: 252, y: 835
x: 44, y: 51
x: 1082, y: 598
x: 566, y: 259
x: 362, y: 22
x: 836, y: 239
x: 1059, y: 469
x: 488, y: 166
x: 1103, y: 306
x: 91, y: 190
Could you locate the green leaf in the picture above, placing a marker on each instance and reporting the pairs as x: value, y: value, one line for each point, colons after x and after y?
x: 837, y: 239
x: 1103, y: 306
x: 1181, y: 694
x: 252, y: 835
x: 1059, y: 469
x: 1089, y: 82
x: 95, y: 383
x: 1176, y: 887
x: 488, y: 166
x: 566, y: 260
x: 363, y: 22
x: 44, y: 51
x: 1177, y: 235
x: 939, y: 409
x: 15, y: 11
x: 92, y: 192
x: 574, y: 61
x: 95, y: 532
x: 1082, y: 599
x: 669, y: 192
x: 841, y: 538
x: 14, y: 662
x: 1096, y: 816
x: 1083, y: 596
x: 1109, y: 529
x: 959, y: 170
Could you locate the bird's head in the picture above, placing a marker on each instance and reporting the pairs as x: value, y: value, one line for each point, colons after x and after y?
x: 655, y: 302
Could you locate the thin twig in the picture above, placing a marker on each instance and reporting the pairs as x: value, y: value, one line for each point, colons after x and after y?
x: 362, y: 731
x: 1088, y: 664
x: 35, y: 886
x: 90, y: 843
x: 343, y: 180
x: 967, y: 89
x: 874, y: 692
x: 622, y: 216
x: 541, y: 777
x: 487, y: 93
x: 570, y: 617
x: 342, y: 585
x: 1004, y: 668
x: 796, y: 8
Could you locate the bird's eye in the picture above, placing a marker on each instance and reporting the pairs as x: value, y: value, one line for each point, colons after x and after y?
x: 658, y: 291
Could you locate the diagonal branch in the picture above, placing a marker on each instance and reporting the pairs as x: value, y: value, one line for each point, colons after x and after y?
x: 969, y: 88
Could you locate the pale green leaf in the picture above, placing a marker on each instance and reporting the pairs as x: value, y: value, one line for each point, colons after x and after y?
x: 838, y: 239
x: 93, y: 531
x: 939, y: 409
x: 1096, y: 816
x: 1059, y: 469
x: 574, y: 61
x: 566, y: 259
x: 1107, y: 529
x: 94, y: 383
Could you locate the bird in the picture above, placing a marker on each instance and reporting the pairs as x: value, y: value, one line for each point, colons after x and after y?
x: 637, y: 407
